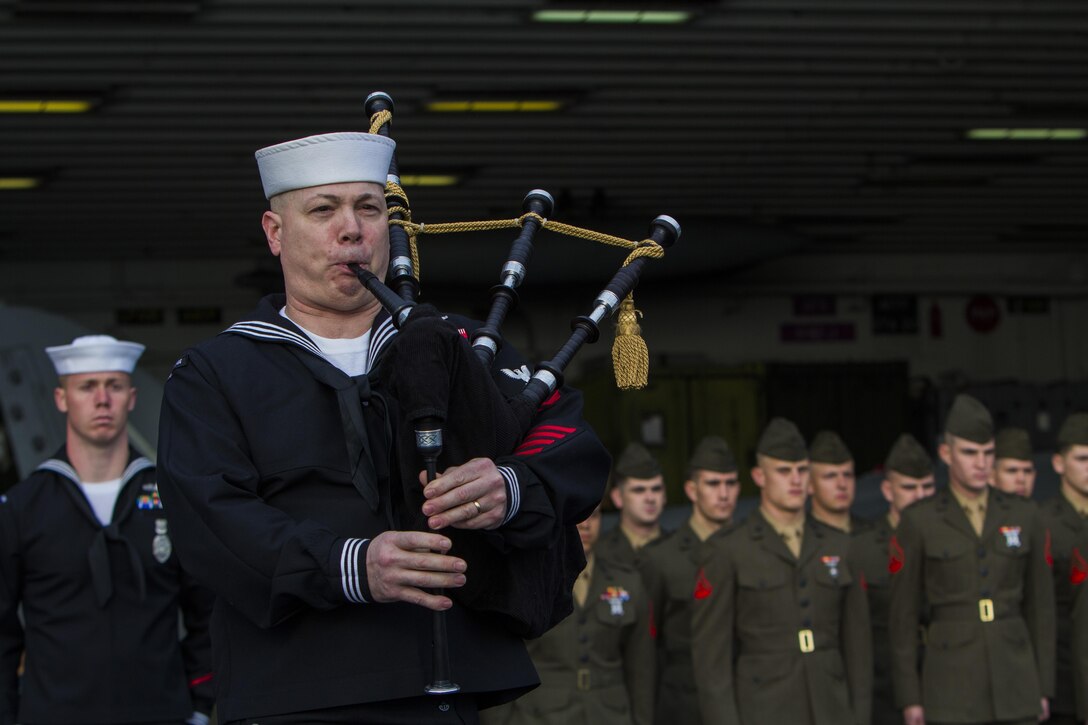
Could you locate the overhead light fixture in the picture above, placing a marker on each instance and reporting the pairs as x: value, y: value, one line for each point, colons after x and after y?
x: 658, y: 17
x: 15, y: 183
x: 534, y: 106
x: 1027, y: 134
x: 429, y: 179
x: 49, y: 105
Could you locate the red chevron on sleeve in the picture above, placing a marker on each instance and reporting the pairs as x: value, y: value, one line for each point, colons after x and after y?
x: 896, y: 557
x: 1048, y: 552
x: 702, y: 586
x: 653, y: 624
x: 541, y: 437
x: 1078, y: 568
x: 552, y: 400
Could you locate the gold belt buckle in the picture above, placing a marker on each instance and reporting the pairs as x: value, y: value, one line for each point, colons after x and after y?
x: 986, y: 610
x: 583, y: 679
x: 806, y: 640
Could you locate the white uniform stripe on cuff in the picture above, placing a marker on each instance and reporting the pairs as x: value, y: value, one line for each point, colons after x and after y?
x: 513, y: 493
x: 349, y: 570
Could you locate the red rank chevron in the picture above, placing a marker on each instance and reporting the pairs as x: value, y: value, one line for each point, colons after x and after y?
x: 702, y: 586
x: 1048, y: 552
x: 653, y: 624
x: 541, y: 437
x: 1078, y: 568
x: 896, y: 557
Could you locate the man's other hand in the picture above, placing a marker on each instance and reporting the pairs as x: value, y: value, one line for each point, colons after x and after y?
x: 400, y: 565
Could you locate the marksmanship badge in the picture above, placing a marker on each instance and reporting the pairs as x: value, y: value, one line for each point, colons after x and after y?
x: 161, y: 546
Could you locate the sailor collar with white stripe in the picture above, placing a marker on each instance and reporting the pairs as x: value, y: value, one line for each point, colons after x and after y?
x: 64, y: 468
x: 268, y: 325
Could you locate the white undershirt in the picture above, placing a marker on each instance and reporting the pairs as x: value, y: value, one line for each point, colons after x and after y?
x: 102, y: 497
x: 347, y: 353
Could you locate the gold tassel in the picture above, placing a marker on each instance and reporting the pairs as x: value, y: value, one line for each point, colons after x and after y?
x: 630, y: 357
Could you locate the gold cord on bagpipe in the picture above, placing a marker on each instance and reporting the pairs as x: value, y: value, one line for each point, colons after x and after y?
x: 630, y: 355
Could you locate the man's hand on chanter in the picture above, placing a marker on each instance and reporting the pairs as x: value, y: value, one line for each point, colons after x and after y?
x: 469, y: 496
x: 401, y: 564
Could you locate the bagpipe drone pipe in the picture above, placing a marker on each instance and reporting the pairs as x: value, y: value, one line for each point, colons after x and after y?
x: 450, y: 410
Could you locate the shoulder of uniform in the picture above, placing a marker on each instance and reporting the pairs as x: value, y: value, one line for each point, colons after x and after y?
x: 871, y: 530
x: 663, y: 542
x: 28, y: 487
x: 922, y: 506
x: 859, y: 526
x: 612, y: 567
x: 1013, y: 501
x: 1052, y: 506
x: 608, y: 538
x: 722, y: 537
x: 825, y: 530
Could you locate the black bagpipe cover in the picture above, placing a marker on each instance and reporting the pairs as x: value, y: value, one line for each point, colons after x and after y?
x: 430, y: 371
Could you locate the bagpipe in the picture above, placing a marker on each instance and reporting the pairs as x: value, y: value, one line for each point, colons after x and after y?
x: 450, y: 410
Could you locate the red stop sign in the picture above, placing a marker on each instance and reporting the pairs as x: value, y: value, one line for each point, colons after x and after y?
x: 983, y: 314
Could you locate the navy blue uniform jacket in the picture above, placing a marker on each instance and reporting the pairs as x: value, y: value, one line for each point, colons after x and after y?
x: 100, y: 605
x: 256, y: 480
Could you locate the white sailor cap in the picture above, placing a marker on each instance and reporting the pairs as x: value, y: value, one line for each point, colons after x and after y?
x: 95, y: 354
x: 329, y: 158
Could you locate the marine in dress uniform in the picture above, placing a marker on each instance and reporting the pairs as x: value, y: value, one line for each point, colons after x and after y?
x: 780, y: 630
x: 978, y: 557
x: 1079, y: 636
x: 669, y: 566
x: 832, y: 483
x: 1014, y: 464
x: 85, y: 549
x: 597, y: 665
x: 638, y: 492
x: 1066, y: 519
x: 276, y: 470
x: 908, y: 477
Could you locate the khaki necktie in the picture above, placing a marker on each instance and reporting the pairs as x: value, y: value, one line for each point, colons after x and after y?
x: 793, y: 542
x: 976, y: 514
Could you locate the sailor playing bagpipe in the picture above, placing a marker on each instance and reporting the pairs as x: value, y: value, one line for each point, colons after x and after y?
x: 353, y: 585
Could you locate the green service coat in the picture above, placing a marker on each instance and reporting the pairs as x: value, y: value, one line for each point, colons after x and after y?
x: 668, y: 568
x: 1064, y: 527
x: 778, y: 639
x: 597, y: 665
x: 1077, y: 575
x: 972, y: 670
x: 871, y: 555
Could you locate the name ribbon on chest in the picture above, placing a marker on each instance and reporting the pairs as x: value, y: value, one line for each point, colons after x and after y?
x: 615, y: 596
